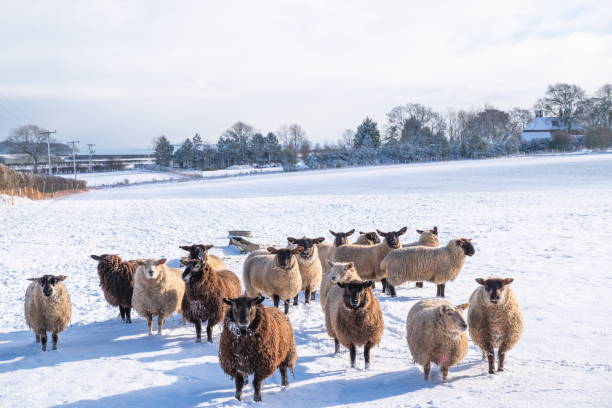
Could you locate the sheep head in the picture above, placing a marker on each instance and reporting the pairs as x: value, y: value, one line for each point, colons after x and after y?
x: 451, y: 318
x: 433, y: 231
x: 341, y: 238
x: 47, y: 283
x: 243, y: 311
x: 284, y: 256
x: 496, y: 289
x: 196, y: 249
x: 339, y: 270
x: 355, y: 293
x: 392, y: 237
x: 466, y: 245
x: 307, y: 244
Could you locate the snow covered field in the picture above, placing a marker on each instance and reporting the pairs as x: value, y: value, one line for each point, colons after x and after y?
x: 544, y: 221
x: 119, y: 177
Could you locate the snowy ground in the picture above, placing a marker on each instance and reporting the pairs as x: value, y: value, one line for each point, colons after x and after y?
x: 123, y: 177
x: 542, y: 220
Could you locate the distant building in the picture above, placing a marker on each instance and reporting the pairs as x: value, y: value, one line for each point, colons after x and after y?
x: 542, y: 127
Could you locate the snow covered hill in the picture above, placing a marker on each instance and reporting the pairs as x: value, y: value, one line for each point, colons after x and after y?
x: 544, y: 221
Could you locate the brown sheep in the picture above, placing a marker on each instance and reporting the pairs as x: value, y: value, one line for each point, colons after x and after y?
x: 205, y: 289
x: 194, y: 253
x: 495, y: 319
x: 256, y: 340
x: 117, y: 282
x: 353, y: 318
x: 436, y: 333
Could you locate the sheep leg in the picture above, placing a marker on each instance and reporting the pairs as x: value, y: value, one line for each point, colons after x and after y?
x: 284, y: 379
x: 313, y: 295
x: 295, y: 299
x: 149, y: 324
x: 37, y: 338
x: 257, y: 380
x: 419, y: 284
x: 160, y: 323
x: 353, y: 352
x: 286, y: 306
x: 366, y: 353
x: 54, y: 338
x: 43, y: 340
x: 336, y: 346
x: 444, y: 290
x: 122, y: 313
x: 444, y: 374
x: 128, y: 314
x: 276, y: 299
x: 307, y: 296
x: 390, y: 288
x: 500, y: 360
x: 209, y: 329
x: 440, y: 290
x: 491, y: 358
x: 239, y: 381
x: 384, y: 285
x: 198, y: 326
x: 426, y: 370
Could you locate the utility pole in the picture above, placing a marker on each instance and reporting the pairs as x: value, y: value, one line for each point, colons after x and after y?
x: 74, y: 143
x: 48, y: 133
x: 92, y: 150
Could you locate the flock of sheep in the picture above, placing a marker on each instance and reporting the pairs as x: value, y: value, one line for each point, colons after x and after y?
x: 257, y: 340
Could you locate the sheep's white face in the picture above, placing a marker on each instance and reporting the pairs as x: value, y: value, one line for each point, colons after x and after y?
x: 339, y: 271
x: 452, y: 318
x: 150, y: 269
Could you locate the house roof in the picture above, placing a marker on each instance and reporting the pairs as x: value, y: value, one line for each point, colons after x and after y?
x: 549, y: 124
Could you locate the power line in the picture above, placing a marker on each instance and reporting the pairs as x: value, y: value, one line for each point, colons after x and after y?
x: 48, y: 133
x: 92, y: 150
x: 73, y: 143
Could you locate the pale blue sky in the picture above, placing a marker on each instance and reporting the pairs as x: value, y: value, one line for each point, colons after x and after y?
x: 119, y: 73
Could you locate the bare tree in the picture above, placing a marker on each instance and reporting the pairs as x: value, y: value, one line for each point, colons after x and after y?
x: 347, y: 138
x: 292, y: 137
x: 563, y: 101
x: 29, y: 140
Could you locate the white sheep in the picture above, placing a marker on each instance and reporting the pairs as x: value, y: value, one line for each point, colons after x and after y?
x: 158, y: 291
x: 417, y: 264
x: 495, y: 318
x: 336, y: 272
x: 310, y: 266
x: 47, y: 308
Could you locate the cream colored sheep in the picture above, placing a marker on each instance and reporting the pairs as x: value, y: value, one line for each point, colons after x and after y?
x: 325, y: 249
x: 367, y: 258
x: 310, y: 266
x: 276, y: 275
x: 427, y: 238
x: 495, y: 318
x: 416, y: 264
x: 158, y: 291
x: 436, y: 333
x: 47, y: 308
x: 336, y: 272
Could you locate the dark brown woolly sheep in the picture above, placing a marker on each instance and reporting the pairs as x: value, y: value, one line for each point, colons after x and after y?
x: 256, y: 340
x: 117, y: 282
x: 204, y: 293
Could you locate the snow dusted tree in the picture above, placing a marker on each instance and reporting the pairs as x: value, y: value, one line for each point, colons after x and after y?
x: 257, y: 148
x: 184, y: 155
x: 234, y: 143
x: 197, y: 157
x: 562, y: 100
x: 367, y: 134
x: 163, y: 151
x: 272, y: 147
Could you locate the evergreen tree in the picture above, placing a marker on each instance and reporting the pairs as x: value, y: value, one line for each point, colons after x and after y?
x: 272, y: 148
x: 163, y: 151
x: 367, y: 134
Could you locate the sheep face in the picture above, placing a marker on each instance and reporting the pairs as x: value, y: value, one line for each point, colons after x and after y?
x: 307, y: 244
x: 451, y: 318
x: 196, y: 249
x: 371, y: 236
x: 392, y: 237
x: 354, y: 296
x: 243, y: 311
x: 47, y: 283
x: 341, y: 238
x: 434, y: 231
x: 338, y: 270
x: 496, y: 289
x: 193, y: 271
x: 466, y: 245
x: 150, y: 269
x: 284, y: 256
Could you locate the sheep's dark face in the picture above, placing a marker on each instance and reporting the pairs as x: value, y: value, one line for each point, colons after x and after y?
x: 307, y: 244
x: 284, y: 256
x: 196, y: 249
x: 339, y: 270
x: 150, y: 268
x: 496, y: 289
x: 47, y: 283
x: 193, y: 271
x: 341, y: 238
x: 355, y: 293
x: 243, y: 311
x: 451, y: 318
x: 433, y: 231
x: 392, y: 237
x: 372, y: 237
x: 466, y: 245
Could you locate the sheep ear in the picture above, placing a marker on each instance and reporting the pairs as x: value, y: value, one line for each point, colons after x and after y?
x: 319, y: 240
x: 348, y: 266
x: 297, y: 250
x: 329, y: 263
x: 480, y: 281
x: 61, y: 277
x: 96, y: 257
x: 333, y: 233
x: 435, y: 230
x: 227, y: 301
x: 185, y: 247
x: 207, y: 247
x: 419, y: 231
x: 33, y: 279
x: 443, y: 310
x: 351, y: 232
x: 361, y: 233
x: 272, y: 250
x: 341, y: 284
x: 463, y: 306
x: 367, y: 284
x: 382, y: 234
x: 402, y: 231
x: 291, y: 239
x: 258, y: 300
x: 508, y: 281
x: 160, y: 261
x: 184, y: 262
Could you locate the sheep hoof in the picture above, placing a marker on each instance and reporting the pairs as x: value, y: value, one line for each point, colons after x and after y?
x: 198, y: 340
x: 367, y: 366
x: 491, y: 371
x: 257, y: 398
x: 500, y: 369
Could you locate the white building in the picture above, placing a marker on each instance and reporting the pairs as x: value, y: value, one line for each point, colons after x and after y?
x: 542, y: 127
